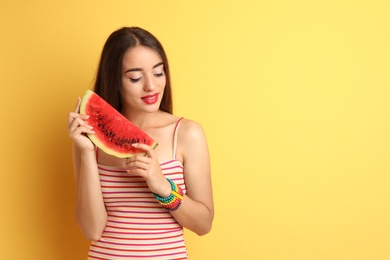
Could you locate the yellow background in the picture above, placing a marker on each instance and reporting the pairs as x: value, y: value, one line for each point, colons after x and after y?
x: 293, y: 95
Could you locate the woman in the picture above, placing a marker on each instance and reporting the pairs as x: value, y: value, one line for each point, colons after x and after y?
x: 121, y: 204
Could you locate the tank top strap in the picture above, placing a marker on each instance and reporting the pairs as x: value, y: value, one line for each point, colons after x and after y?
x: 175, y: 137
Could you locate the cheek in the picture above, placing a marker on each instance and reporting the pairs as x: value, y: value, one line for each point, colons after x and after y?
x: 163, y: 83
x: 129, y: 93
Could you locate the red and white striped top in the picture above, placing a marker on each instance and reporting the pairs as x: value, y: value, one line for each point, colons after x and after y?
x: 138, y: 227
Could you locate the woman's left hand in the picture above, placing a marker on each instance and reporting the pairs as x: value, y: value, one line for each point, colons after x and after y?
x: 148, y: 167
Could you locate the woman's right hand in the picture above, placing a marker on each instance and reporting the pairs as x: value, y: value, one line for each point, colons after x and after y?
x: 78, y: 128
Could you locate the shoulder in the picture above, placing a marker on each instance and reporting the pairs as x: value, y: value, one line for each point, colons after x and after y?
x: 191, y: 138
x: 190, y: 129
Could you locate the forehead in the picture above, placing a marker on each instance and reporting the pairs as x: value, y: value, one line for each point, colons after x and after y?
x: 141, y: 56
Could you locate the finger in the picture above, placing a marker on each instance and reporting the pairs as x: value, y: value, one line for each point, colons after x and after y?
x: 79, y: 123
x: 137, y: 162
x: 75, y: 113
x: 79, y: 129
x: 147, y: 148
x: 136, y: 171
x: 77, y: 108
x: 72, y: 116
x: 80, y: 133
x: 76, y: 122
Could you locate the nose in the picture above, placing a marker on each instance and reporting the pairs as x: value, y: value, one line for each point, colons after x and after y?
x: 149, y: 85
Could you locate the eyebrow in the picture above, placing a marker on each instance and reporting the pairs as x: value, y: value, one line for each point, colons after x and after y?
x: 139, y: 69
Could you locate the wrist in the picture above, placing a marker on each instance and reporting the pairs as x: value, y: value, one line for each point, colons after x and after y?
x: 173, y: 201
x: 165, y: 189
x: 87, y: 154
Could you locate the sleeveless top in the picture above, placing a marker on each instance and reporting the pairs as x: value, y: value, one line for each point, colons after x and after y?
x: 138, y: 227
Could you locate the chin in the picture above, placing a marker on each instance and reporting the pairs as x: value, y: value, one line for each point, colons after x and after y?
x: 152, y: 109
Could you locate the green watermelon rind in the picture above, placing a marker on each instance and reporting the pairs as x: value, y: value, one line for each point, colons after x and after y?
x: 88, y: 94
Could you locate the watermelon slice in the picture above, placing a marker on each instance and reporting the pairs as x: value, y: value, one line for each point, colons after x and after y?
x: 114, y: 134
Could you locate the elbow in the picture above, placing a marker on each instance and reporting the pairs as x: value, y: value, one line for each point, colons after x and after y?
x: 92, y: 232
x: 92, y: 236
x: 205, y: 228
x: 203, y: 231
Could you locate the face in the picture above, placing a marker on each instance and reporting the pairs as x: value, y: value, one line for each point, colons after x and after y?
x: 143, y: 80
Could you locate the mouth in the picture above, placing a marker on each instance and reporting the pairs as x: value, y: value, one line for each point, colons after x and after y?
x: 150, y: 99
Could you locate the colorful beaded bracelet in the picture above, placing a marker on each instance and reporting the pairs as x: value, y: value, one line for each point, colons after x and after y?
x: 173, y: 201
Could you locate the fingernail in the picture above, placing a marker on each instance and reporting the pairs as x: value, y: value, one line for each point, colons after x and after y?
x: 135, y: 144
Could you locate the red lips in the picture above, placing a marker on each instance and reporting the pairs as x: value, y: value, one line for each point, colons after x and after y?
x: 150, y: 99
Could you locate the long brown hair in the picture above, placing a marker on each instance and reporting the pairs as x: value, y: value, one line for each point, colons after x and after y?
x: 108, y: 82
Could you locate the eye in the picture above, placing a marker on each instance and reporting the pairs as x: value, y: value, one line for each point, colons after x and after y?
x: 159, y: 74
x: 135, y: 80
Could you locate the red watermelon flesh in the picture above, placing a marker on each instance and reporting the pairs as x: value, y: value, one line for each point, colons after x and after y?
x: 114, y: 134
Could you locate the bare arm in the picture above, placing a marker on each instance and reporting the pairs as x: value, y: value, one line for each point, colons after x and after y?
x: 90, y: 211
x: 197, y: 210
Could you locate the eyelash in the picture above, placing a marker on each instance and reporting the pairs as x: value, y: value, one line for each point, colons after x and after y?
x: 138, y: 79
x: 135, y: 80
